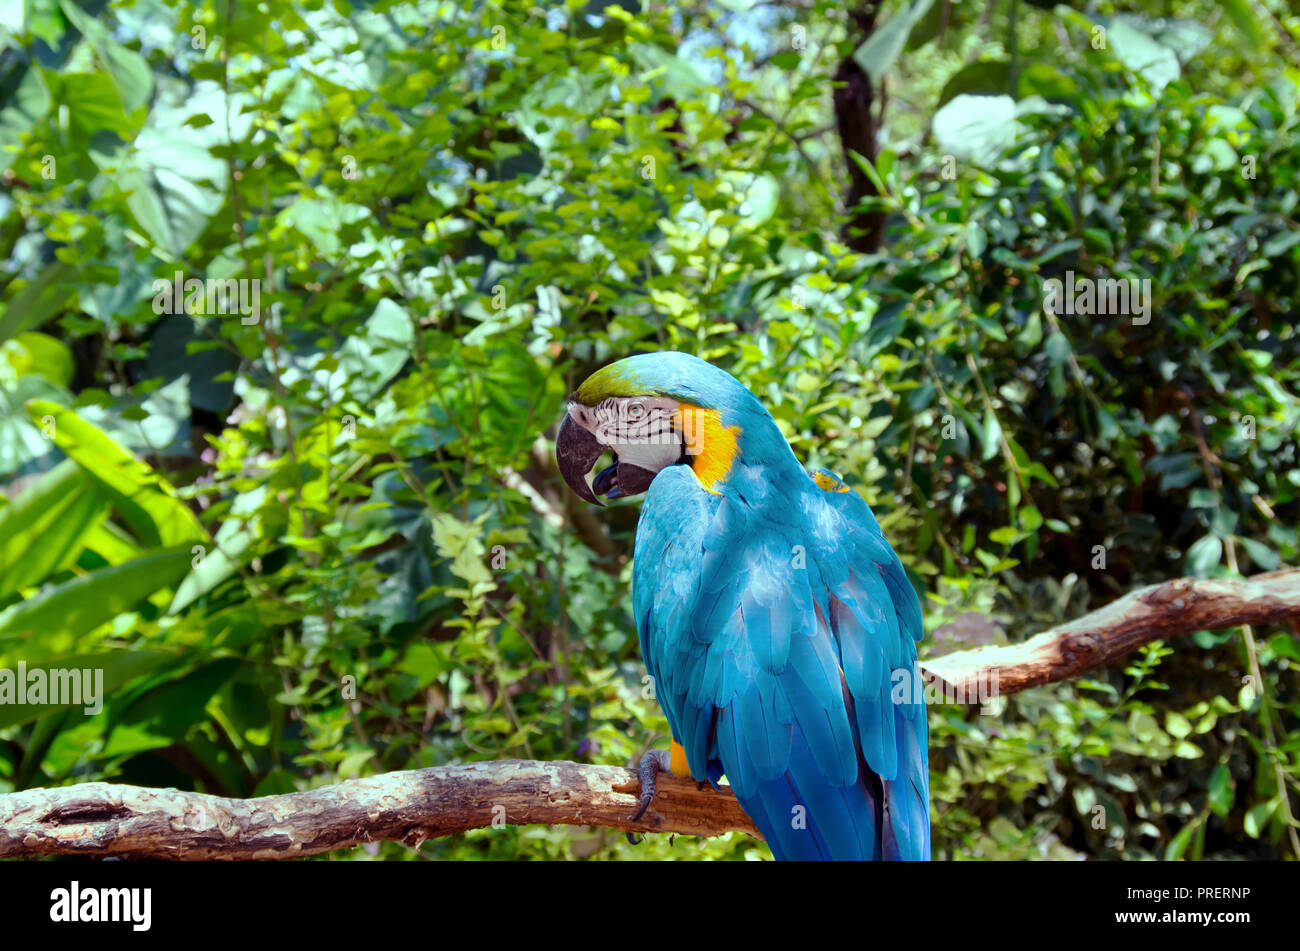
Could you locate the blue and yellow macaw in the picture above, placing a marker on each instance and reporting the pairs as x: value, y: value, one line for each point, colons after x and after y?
x: 776, y: 620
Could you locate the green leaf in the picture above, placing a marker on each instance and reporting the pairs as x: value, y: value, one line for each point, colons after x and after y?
x: 115, y: 667
x: 221, y: 561
x: 39, y: 300
x: 1222, y: 790
x: 879, y: 53
x: 1204, y: 555
x: 461, y: 542
x: 1285, y: 645
x: 1044, y: 79
x: 23, y: 108
x: 1262, y: 555
x: 1057, y: 348
x: 369, y: 360
x: 1258, y: 817
x: 44, y: 529
x: 94, y: 106
x: 178, y: 348
x: 128, y: 70
x: 1247, y: 24
x: 1140, y: 53
x: 145, y: 500
x: 1280, y: 243
x: 40, y: 355
x: 977, y: 128
x: 166, y: 713
x: 57, y: 617
x: 174, y: 175
x: 987, y: 77
x: 1178, y: 845
x: 990, y: 432
x: 111, y: 543
x: 1188, y: 750
x: 321, y: 221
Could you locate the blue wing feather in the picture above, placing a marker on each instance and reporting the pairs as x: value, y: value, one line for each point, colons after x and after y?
x: 775, y: 619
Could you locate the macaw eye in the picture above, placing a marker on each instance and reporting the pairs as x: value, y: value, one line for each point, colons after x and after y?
x: 635, y: 411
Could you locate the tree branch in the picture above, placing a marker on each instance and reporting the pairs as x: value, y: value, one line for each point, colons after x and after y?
x: 103, y: 819
x: 1180, y: 606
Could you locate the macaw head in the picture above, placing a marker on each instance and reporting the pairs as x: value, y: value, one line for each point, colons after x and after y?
x: 654, y: 410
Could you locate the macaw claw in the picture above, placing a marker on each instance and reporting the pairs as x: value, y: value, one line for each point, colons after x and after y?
x: 651, y: 765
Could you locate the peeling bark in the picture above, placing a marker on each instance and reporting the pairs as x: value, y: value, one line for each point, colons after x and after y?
x: 1175, y: 607
x: 103, y: 819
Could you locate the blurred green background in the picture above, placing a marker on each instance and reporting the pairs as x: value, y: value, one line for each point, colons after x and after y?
x: 324, y: 538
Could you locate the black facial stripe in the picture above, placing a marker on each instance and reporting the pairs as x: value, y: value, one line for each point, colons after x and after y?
x: 656, y: 425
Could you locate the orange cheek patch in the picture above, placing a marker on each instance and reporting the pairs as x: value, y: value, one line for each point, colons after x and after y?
x: 711, y: 446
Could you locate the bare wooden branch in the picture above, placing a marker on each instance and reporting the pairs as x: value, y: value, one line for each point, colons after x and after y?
x: 103, y: 819
x: 1175, y: 607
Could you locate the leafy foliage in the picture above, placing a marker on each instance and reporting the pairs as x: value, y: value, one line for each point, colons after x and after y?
x: 319, y: 536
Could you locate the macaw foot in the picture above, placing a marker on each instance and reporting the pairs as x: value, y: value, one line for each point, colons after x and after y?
x: 652, y: 764
x: 647, y: 770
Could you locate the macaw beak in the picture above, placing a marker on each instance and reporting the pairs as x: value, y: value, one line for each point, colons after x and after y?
x: 576, y: 451
x: 621, y: 480
x: 626, y: 480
